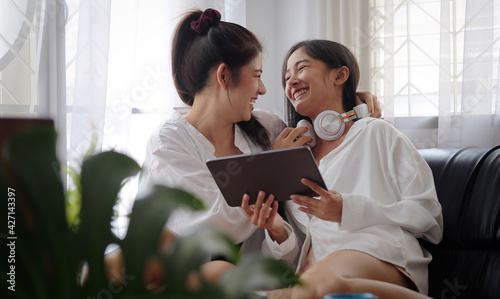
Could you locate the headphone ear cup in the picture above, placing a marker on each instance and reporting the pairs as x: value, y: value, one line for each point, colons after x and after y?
x: 329, y: 125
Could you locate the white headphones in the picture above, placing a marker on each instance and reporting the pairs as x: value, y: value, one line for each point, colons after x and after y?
x: 330, y: 125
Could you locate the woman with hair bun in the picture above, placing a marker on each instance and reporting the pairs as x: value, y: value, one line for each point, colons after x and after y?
x: 217, y: 68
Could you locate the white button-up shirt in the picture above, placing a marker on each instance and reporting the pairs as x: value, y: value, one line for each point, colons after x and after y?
x: 389, y: 200
x: 176, y: 155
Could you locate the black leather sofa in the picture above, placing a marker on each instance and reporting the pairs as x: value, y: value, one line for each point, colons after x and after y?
x: 466, y: 264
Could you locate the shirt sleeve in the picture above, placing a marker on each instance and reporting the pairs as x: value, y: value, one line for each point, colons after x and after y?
x: 180, y: 166
x: 287, y: 251
x: 417, y: 209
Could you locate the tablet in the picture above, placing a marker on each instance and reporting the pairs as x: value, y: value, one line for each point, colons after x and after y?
x: 276, y: 172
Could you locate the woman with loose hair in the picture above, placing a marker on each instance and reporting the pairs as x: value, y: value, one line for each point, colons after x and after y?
x: 360, y: 235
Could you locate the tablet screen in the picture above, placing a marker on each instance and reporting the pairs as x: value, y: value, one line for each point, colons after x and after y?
x: 276, y: 172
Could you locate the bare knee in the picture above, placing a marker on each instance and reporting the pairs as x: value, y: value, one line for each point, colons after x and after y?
x: 210, y: 272
x: 214, y: 270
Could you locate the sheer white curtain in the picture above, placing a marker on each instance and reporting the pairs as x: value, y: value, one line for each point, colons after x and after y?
x: 436, y: 68
x: 118, y: 69
x: 479, y: 107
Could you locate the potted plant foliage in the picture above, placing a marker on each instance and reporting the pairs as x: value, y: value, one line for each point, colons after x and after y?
x: 47, y: 254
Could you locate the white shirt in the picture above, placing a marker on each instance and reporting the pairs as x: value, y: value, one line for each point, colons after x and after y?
x: 176, y: 155
x: 389, y: 200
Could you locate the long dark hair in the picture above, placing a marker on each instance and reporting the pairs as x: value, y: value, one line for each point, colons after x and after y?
x: 195, y: 54
x: 334, y: 55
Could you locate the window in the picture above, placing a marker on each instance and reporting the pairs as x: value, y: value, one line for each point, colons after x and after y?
x: 435, y: 57
x: 19, y: 33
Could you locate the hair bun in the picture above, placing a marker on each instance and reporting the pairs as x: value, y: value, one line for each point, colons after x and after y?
x: 208, y: 18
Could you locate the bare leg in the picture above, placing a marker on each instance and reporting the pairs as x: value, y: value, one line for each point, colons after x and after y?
x: 114, y: 265
x: 280, y: 294
x: 213, y: 271
x: 167, y: 238
x: 349, y: 271
x: 115, y: 268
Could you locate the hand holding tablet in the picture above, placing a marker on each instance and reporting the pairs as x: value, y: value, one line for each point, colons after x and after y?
x: 276, y: 172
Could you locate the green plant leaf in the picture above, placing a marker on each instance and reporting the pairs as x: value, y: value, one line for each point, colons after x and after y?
x: 73, y: 199
x: 258, y: 272
x: 101, y: 179
x: 42, y: 221
x: 33, y: 159
x: 147, y: 220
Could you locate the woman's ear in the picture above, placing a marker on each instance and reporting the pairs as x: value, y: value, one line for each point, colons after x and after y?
x: 342, y: 75
x: 222, y: 75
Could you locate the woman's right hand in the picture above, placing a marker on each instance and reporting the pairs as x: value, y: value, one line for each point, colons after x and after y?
x: 328, y: 207
x: 265, y: 215
x: 288, y: 138
x: 371, y: 101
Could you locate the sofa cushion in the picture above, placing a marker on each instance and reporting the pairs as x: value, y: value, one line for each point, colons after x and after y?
x: 466, y: 264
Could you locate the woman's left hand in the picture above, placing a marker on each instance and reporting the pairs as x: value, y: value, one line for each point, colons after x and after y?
x: 328, y: 207
x: 264, y: 214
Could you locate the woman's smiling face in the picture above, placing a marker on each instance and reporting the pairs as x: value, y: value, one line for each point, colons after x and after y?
x: 308, y: 83
x: 249, y: 87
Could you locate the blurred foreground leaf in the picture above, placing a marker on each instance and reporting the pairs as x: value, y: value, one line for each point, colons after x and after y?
x: 101, y: 180
x: 51, y: 251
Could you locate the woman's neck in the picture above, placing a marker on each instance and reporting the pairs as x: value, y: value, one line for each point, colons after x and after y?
x: 324, y: 147
x: 217, y: 130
